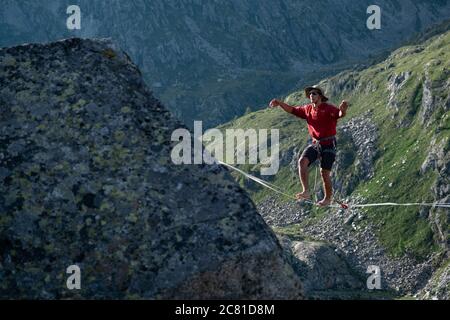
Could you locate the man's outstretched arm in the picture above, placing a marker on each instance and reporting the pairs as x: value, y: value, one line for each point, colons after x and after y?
x: 275, y: 103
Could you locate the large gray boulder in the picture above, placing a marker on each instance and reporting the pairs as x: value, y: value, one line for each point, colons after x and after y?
x: 86, y: 179
x: 323, y: 269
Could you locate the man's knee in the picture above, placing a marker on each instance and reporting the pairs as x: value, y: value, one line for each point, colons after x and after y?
x: 303, y: 162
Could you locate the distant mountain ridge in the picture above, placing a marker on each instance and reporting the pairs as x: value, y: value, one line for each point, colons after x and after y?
x: 211, y: 60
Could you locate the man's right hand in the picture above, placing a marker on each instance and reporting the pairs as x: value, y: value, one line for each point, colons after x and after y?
x: 274, y: 103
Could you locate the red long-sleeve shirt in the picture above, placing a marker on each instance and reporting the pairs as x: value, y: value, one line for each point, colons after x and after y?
x: 321, y: 121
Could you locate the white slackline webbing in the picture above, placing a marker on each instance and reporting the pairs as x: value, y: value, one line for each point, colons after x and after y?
x: 278, y: 190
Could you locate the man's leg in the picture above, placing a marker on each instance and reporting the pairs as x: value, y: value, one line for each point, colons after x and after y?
x: 327, y: 160
x: 327, y: 186
x: 303, y: 164
x: 308, y: 156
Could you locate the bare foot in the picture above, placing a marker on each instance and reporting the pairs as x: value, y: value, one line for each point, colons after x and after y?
x: 324, y: 202
x: 303, y: 195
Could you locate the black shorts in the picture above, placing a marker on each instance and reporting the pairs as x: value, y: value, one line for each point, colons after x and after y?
x: 327, y: 155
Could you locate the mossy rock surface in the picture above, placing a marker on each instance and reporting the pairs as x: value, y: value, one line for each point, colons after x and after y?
x: 86, y: 178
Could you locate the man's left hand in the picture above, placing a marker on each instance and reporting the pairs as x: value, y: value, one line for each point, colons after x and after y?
x: 343, y: 106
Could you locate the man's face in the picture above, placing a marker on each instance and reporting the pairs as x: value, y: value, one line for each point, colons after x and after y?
x: 314, y: 96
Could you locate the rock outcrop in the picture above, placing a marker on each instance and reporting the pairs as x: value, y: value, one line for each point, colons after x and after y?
x: 322, y: 268
x: 438, y: 160
x: 86, y: 179
x: 438, y: 288
x: 435, y: 93
x: 428, y: 104
x: 395, y: 83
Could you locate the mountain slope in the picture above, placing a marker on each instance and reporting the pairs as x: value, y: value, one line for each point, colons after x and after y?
x: 211, y: 60
x: 393, y: 146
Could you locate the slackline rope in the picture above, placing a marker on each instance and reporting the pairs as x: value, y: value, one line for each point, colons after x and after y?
x: 345, y: 206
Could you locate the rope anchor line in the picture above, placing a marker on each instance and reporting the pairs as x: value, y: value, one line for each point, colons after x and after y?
x: 341, y: 204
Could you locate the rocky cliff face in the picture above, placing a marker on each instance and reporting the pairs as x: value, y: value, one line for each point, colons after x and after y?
x: 209, y: 60
x: 86, y: 179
